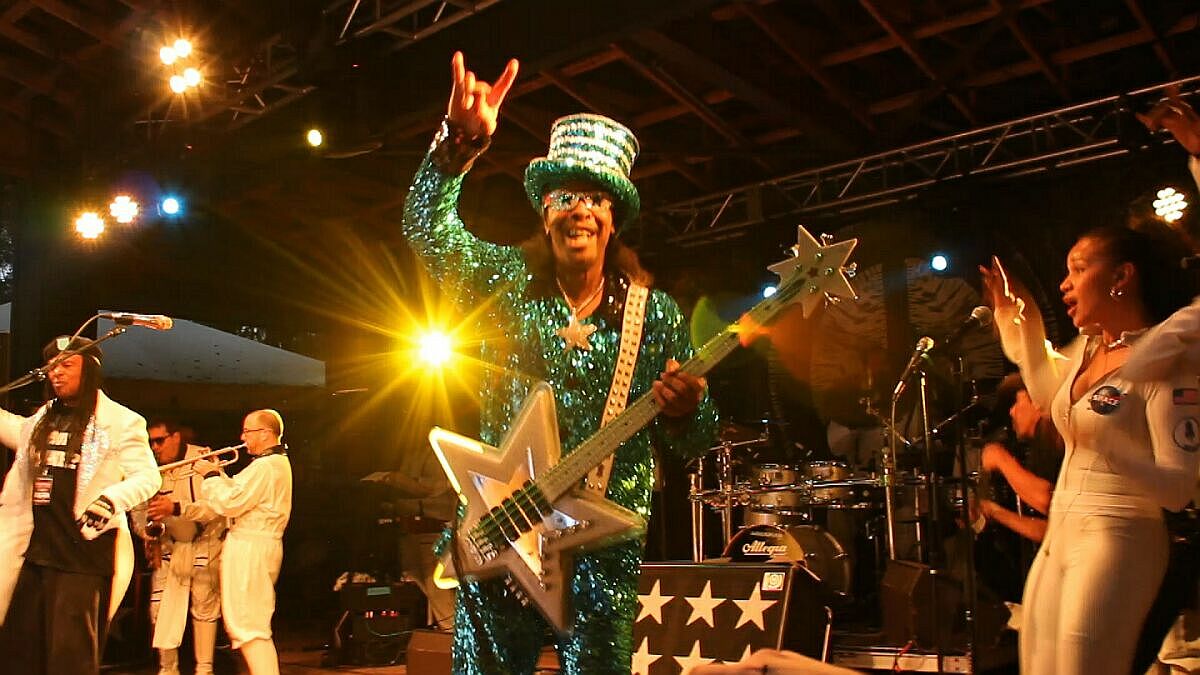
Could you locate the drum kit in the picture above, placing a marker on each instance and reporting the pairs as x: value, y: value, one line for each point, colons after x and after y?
x: 822, y: 514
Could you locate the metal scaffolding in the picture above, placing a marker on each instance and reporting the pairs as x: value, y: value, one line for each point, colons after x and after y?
x: 1060, y: 138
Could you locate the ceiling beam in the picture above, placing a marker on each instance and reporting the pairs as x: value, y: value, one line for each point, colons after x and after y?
x: 931, y: 29
x: 1160, y: 50
x: 787, y: 36
x: 910, y: 47
x: 22, y: 74
x: 701, y: 67
x: 1008, y: 16
x: 93, y: 26
x: 664, y: 81
x: 20, y: 112
x: 1061, y: 58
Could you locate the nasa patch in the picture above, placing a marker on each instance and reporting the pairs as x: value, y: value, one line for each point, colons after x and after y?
x: 1187, y: 434
x: 1106, y: 399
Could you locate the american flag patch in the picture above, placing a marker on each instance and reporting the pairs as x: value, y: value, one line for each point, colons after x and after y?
x: 1190, y: 396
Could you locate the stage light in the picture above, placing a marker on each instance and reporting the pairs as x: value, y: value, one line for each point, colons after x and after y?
x: 170, y: 206
x: 1170, y: 204
x: 123, y: 209
x: 183, y: 48
x: 168, y: 55
x: 940, y: 262
x: 769, y: 290
x: 178, y: 84
x: 314, y: 137
x: 191, y: 77
x: 89, y: 225
x: 435, y: 348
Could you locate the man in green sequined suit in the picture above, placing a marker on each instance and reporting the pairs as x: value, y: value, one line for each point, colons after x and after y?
x: 556, y: 307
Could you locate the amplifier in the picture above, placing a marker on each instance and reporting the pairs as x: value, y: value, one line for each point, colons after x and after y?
x: 377, y: 622
x: 378, y: 597
x: 693, y: 613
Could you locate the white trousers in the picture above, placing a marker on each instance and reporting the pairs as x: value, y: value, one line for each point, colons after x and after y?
x: 171, y: 595
x: 1088, y: 593
x: 249, y: 568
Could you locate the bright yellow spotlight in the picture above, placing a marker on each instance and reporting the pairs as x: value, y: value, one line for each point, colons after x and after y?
x: 89, y: 225
x: 191, y: 77
x: 123, y: 209
x: 183, y: 48
x: 178, y: 84
x: 314, y: 137
x: 435, y: 348
x: 168, y: 55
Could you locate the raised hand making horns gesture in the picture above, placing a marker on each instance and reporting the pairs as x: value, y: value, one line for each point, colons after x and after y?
x: 475, y: 104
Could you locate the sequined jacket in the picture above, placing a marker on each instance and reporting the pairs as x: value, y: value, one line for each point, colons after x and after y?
x: 493, y: 285
x: 117, y: 463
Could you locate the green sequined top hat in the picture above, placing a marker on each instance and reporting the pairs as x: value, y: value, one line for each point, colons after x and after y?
x: 590, y: 148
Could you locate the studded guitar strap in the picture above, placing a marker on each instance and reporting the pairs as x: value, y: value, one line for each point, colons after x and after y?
x: 618, y: 395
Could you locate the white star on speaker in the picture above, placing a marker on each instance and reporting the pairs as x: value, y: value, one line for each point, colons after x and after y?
x: 692, y: 660
x: 818, y: 268
x: 752, y: 608
x: 652, y: 604
x: 703, y: 606
x: 642, y: 658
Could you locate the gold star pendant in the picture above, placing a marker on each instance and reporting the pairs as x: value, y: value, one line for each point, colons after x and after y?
x: 576, y: 335
x: 819, y: 270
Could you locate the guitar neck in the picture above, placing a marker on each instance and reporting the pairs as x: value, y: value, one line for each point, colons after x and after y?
x: 567, y: 473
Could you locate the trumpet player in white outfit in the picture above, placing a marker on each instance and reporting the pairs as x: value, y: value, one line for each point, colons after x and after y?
x: 184, y: 537
x: 257, y: 502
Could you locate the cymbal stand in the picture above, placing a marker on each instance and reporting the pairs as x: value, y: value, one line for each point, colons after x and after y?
x: 695, y: 486
x: 726, y: 484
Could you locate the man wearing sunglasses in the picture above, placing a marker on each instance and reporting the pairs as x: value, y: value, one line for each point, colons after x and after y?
x: 258, y: 503
x: 555, y: 310
x: 184, y: 538
x: 65, y: 551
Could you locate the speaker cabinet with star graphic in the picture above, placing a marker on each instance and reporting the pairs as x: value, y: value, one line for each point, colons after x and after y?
x: 696, y: 613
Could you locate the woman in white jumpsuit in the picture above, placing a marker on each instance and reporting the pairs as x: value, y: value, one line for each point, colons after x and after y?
x: 1131, y: 451
x: 257, y: 502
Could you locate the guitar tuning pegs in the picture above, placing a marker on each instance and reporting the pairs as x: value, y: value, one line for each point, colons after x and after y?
x: 851, y: 270
x: 826, y: 239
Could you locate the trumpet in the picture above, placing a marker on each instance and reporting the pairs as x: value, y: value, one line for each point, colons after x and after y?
x: 213, y: 456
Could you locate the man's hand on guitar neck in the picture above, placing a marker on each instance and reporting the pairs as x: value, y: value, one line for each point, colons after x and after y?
x: 677, y: 393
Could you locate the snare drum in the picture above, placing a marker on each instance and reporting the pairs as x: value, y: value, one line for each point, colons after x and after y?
x: 807, y: 545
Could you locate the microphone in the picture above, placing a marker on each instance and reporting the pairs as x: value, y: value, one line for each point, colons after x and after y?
x: 981, y: 317
x: 923, y: 346
x: 152, y: 321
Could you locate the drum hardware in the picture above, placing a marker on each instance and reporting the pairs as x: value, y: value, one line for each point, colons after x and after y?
x: 728, y: 493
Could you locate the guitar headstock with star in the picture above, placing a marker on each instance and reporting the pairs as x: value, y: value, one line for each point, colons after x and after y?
x: 817, y: 272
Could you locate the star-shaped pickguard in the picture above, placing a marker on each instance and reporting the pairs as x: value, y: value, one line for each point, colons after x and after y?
x: 576, y: 334
x: 818, y: 268
x: 540, y: 560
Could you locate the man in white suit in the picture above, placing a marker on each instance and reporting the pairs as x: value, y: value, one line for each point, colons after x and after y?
x: 65, y: 552
x: 258, y: 503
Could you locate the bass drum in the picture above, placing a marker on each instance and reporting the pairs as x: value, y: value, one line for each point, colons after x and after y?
x: 807, y: 545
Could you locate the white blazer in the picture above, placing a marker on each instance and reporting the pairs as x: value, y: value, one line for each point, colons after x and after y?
x: 116, y: 462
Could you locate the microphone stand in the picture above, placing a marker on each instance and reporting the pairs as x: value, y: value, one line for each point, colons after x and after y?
x: 969, y: 587
x: 40, y: 373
